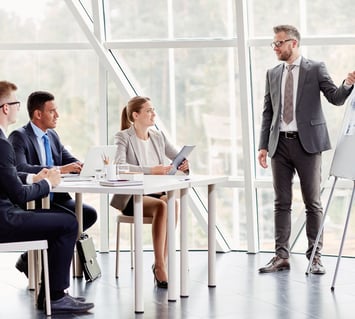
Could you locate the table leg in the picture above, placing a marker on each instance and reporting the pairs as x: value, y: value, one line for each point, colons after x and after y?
x: 104, y: 223
x: 138, y: 252
x: 172, y: 286
x: 77, y: 268
x: 212, y: 235
x: 184, y: 262
x: 31, y: 268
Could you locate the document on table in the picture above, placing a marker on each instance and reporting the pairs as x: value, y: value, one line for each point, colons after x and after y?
x: 120, y: 182
x: 73, y: 177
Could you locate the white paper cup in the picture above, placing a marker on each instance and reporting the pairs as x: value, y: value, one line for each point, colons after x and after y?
x: 111, y: 172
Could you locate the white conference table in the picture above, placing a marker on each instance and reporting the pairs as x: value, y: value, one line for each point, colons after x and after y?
x: 211, y: 182
x: 154, y: 184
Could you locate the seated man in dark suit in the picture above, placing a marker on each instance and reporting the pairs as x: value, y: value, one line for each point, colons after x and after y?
x: 55, y: 225
x: 30, y: 143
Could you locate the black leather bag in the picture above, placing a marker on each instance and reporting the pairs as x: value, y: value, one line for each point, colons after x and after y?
x: 87, y: 254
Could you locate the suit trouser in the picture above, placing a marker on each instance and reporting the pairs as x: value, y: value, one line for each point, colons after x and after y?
x: 58, y: 228
x: 290, y: 158
x: 64, y: 202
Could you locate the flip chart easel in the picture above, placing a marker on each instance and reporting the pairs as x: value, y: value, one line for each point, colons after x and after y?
x: 343, y: 166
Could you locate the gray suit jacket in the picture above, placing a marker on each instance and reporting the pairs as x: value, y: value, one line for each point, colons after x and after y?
x: 128, y: 152
x: 312, y: 127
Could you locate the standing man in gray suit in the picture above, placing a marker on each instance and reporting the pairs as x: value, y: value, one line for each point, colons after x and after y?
x: 294, y: 134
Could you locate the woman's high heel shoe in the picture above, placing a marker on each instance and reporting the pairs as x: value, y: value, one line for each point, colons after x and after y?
x: 160, y: 284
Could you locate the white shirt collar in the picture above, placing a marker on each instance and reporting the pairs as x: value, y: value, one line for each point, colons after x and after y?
x: 38, y: 132
x: 297, y: 62
x: 3, y: 130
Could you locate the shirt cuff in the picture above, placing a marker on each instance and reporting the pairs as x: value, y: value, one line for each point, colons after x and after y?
x: 49, y: 183
x: 347, y: 86
x: 29, y: 179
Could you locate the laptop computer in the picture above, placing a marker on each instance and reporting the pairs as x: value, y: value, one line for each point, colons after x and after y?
x: 93, y: 162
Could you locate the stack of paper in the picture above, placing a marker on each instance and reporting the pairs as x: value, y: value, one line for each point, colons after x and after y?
x: 132, y: 176
x: 120, y: 182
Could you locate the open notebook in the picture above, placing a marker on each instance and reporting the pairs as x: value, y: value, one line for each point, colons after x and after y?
x: 93, y: 162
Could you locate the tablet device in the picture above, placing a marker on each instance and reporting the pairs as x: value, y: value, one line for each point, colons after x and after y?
x: 180, y: 157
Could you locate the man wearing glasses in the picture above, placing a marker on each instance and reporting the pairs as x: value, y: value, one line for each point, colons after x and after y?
x: 12, y: 111
x: 54, y: 225
x: 37, y: 145
x: 12, y: 103
x: 294, y: 134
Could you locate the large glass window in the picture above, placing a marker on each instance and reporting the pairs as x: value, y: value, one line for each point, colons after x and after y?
x: 313, y: 18
x: 184, y: 55
x: 203, y: 111
x: 205, y: 93
x: 72, y: 77
x: 329, y: 18
x: 139, y: 19
x: 38, y: 21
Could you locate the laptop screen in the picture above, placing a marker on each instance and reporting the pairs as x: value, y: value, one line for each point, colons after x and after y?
x: 93, y: 160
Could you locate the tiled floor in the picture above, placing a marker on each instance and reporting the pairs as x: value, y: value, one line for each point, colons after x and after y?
x: 240, y: 293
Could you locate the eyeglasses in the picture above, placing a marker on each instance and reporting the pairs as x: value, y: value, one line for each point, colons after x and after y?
x: 278, y: 44
x: 11, y: 103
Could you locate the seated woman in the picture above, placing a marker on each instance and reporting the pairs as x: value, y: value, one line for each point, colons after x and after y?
x: 145, y: 150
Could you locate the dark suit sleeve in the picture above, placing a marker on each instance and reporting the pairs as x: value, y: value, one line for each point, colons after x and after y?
x: 10, y: 184
x: 61, y: 155
x: 335, y: 95
x: 27, y: 150
x: 22, y: 176
x: 26, y: 157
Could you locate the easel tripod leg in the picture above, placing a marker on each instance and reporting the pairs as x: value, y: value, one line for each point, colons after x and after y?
x: 343, y: 238
x: 321, y: 227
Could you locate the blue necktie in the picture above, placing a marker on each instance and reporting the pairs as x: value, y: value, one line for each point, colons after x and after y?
x: 47, y: 148
x: 49, y: 159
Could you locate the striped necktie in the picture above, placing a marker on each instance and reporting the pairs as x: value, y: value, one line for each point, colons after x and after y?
x: 288, y: 96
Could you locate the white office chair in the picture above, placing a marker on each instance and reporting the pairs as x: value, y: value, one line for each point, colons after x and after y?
x: 37, y: 246
x: 129, y: 220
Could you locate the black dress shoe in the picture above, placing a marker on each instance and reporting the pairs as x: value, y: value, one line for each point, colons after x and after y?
x: 275, y: 264
x: 22, y: 264
x: 79, y: 298
x: 160, y: 284
x: 40, y: 300
x: 317, y: 267
x: 68, y: 304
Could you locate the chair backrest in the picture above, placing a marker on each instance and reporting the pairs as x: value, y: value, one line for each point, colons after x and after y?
x: 39, y: 245
x: 24, y: 245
